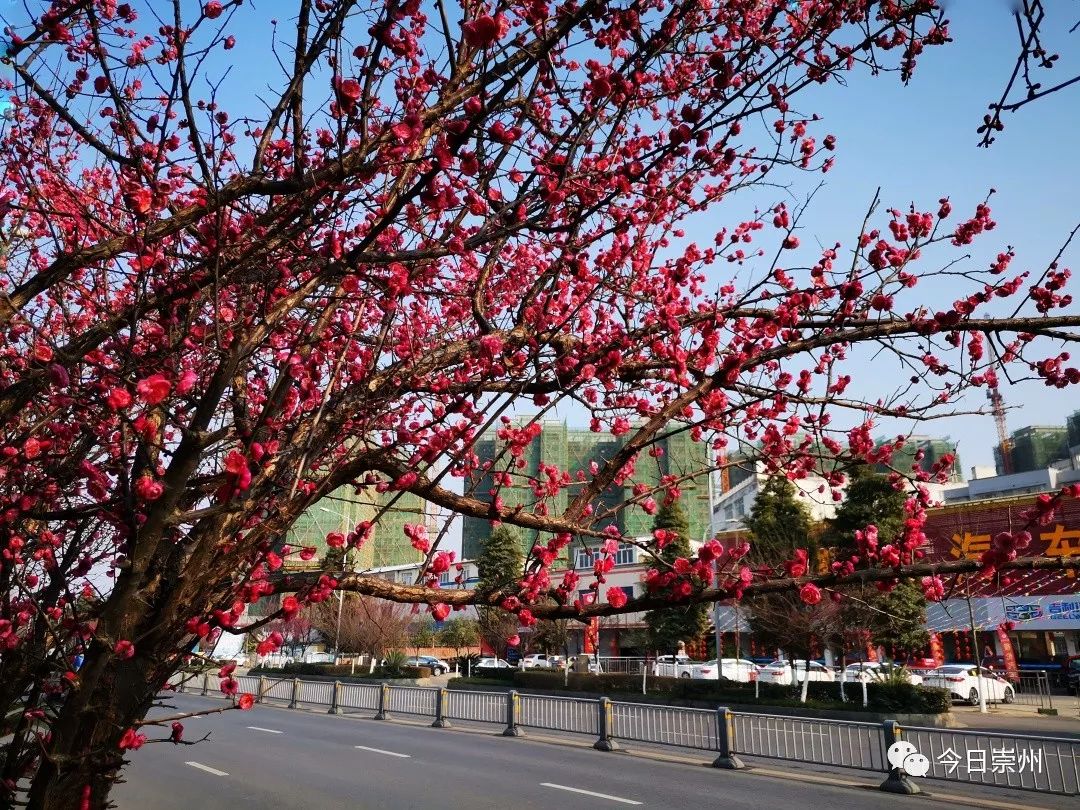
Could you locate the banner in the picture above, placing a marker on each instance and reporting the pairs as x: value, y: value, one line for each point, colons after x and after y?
x: 1012, y: 671
x: 592, y: 635
x: 937, y: 649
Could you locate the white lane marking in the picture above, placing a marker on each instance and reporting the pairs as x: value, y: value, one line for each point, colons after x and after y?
x: 267, y: 730
x: 206, y: 768
x: 589, y: 793
x: 381, y: 751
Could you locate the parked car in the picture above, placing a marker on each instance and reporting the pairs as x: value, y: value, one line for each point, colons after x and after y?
x: 875, y: 671
x: 963, y: 683
x: 491, y: 664
x: 779, y: 672
x: 436, y: 665
x: 732, y: 669
x: 674, y: 666
x: 1072, y: 674
x: 539, y: 661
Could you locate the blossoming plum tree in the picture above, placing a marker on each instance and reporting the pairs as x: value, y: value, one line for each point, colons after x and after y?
x: 216, y: 313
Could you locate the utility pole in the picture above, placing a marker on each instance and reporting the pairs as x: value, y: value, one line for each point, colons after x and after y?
x: 975, y: 655
x: 337, y: 632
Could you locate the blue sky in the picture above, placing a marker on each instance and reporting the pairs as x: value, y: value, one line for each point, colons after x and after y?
x: 918, y: 143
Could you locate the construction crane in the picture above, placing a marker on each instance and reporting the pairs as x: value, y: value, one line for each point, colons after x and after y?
x: 997, y: 404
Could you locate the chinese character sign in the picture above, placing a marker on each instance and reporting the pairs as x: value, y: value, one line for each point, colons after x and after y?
x: 1011, y: 668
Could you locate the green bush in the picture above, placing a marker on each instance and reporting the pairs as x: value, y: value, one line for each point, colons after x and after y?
x: 339, y: 672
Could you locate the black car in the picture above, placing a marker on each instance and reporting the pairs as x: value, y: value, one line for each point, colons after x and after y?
x: 437, y: 666
x: 1072, y: 674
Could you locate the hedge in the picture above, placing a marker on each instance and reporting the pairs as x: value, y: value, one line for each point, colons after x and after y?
x: 298, y: 670
x: 902, y: 698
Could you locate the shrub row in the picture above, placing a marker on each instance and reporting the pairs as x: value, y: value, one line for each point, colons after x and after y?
x: 899, y: 698
x: 298, y: 670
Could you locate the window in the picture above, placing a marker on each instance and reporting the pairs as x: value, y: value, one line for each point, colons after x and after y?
x: 444, y: 579
x: 624, y: 556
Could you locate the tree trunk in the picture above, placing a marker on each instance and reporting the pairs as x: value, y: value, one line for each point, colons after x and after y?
x: 83, y: 758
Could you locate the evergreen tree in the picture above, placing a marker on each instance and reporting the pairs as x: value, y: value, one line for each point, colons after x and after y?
x: 779, y: 524
x: 895, y: 619
x: 670, y: 625
x: 422, y: 633
x: 499, y: 566
x: 501, y: 562
x: 870, y: 499
x: 901, y: 624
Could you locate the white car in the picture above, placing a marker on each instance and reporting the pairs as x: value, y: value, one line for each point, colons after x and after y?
x: 779, y: 672
x: 874, y: 671
x: 539, y: 661
x: 674, y: 666
x: 731, y: 669
x: 963, y: 682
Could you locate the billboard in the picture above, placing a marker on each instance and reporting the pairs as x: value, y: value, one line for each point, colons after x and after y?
x: 1025, y: 612
x: 966, y: 530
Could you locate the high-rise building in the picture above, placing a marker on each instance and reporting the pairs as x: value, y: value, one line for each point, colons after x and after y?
x: 933, y: 450
x: 1072, y: 429
x: 344, y: 509
x: 573, y: 451
x: 1037, y: 447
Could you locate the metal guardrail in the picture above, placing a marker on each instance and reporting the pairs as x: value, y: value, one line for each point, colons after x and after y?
x: 823, y: 742
x: 1033, y: 689
x: 413, y: 700
x: 1043, y: 764
x: 665, y: 725
x: 575, y: 715
x: 1040, y: 764
x: 358, y: 696
x: 624, y: 666
x: 480, y: 707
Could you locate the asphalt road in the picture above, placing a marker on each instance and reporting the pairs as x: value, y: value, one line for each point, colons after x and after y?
x: 277, y: 758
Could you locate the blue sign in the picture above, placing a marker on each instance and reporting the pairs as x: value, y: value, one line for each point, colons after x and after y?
x: 1023, y: 613
x: 1064, y: 611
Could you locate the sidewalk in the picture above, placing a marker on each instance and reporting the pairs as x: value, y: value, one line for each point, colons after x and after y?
x: 1021, y: 720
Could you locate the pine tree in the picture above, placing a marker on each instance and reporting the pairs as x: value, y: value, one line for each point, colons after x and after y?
x: 870, y: 499
x: 895, y: 619
x: 501, y: 561
x: 499, y: 567
x: 670, y: 625
x: 779, y: 524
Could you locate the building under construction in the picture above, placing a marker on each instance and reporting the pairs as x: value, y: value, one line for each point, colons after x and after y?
x: 344, y: 509
x: 933, y: 450
x: 573, y: 451
x: 1035, y: 448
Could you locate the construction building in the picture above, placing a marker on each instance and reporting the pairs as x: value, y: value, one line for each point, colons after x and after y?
x: 933, y: 450
x: 1037, y: 447
x: 573, y: 451
x: 344, y: 509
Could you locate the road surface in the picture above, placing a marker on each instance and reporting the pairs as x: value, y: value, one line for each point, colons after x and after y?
x: 276, y: 758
